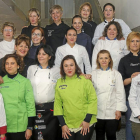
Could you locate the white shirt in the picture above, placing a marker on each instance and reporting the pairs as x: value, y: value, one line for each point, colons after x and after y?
x: 117, y: 49
x: 134, y: 99
x: 78, y: 51
x: 100, y: 28
x: 6, y: 47
x: 110, y: 93
x: 43, y: 82
x: 2, y: 113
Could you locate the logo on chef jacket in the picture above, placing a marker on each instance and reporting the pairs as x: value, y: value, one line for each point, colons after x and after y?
x: 41, y: 105
x: 63, y: 86
x: 4, y: 87
x: 40, y: 136
x: 112, y: 83
x: 39, y: 115
x: 40, y: 127
x: 138, y: 83
x: 50, y: 32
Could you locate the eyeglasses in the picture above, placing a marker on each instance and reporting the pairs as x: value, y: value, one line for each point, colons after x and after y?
x: 8, y: 30
x: 38, y: 34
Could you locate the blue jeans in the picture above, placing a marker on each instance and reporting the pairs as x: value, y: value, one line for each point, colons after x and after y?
x: 129, y: 135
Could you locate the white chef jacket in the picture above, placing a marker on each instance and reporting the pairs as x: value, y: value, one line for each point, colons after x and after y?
x: 110, y: 93
x: 43, y: 82
x: 100, y: 28
x: 78, y: 51
x: 117, y: 49
x: 6, y: 47
x: 134, y: 99
x: 2, y: 113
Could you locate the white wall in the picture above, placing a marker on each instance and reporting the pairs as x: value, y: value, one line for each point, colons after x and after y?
x: 128, y: 10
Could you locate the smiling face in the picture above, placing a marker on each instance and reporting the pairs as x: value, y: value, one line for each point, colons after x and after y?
x: 112, y: 32
x: 135, y: 45
x: 8, y: 33
x: 11, y: 66
x: 37, y: 37
x: 77, y: 24
x: 56, y: 16
x: 109, y: 13
x: 69, y: 67
x: 85, y: 12
x: 34, y: 18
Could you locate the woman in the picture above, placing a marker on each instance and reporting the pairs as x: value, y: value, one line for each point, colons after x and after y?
x: 43, y: 77
x: 86, y: 12
x: 8, y: 43
x: 82, y: 38
x: 129, y: 68
x: 116, y: 47
x: 55, y: 32
x: 34, y: 18
x: 37, y: 39
x: 22, y: 46
x: 3, y: 126
x: 18, y: 99
x: 109, y: 12
x: 75, y: 102
x: 78, y: 51
x: 109, y: 88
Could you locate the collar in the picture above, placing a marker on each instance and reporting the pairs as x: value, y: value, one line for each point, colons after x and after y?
x: 106, y: 69
x: 46, y: 67
x: 113, y: 39
x: 131, y: 54
x: 70, y: 46
x: 107, y: 21
x: 70, y: 78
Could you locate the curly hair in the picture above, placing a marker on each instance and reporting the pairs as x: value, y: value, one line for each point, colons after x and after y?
x: 18, y: 60
x: 77, y: 69
x: 118, y: 27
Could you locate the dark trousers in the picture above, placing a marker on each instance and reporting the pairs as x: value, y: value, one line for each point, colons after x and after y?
x: 79, y: 136
x: 106, y: 126
x: 16, y: 136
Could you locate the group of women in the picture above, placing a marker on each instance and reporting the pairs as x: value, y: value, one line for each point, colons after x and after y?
x: 46, y: 91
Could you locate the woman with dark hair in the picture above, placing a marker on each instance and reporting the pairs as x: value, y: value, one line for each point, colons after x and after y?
x: 116, y: 47
x: 109, y: 12
x: 75, y: 102
x: 109, y: 88
x: 38, y: 39
x: 43, y: 77
x: 18, y: 99
x: 71, y: 48
x: 129, y: 67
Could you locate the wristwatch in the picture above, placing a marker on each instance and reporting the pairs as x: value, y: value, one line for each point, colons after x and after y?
x: 30, y: 128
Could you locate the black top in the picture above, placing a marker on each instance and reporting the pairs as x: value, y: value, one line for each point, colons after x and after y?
x: 128, y: 65
x: 27, y: 30
x: 27, y: 62
x: 55, y: 34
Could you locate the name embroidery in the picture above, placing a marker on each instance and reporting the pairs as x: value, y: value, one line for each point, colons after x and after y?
x: 50, y: 32
x: 63, y: 86
x: 4, y: 86
x: 131, y: 64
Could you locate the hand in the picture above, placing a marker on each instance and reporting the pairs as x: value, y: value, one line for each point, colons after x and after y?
x: 139, y: 117
x: 134, y: 74
x: 65, y: 132
x: 28, y: 134
x: 85, y: 128
x: 87, y: 76
x: 122, y: 38
x: 102, y: 38
x: 1, y: 80
x: 118, y: 115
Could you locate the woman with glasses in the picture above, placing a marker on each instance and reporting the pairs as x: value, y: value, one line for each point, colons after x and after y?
x: 8, y: 43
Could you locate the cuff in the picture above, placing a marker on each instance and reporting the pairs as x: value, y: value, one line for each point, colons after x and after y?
x: 61, y: 120
x: 88, y: 118
x: 3, y: 130
x: 31, y: 121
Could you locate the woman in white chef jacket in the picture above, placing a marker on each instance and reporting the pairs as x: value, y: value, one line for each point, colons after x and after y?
x: 71, y: 48
x: 43, y: 77
x: 109, y: 88
x: 109, y: 12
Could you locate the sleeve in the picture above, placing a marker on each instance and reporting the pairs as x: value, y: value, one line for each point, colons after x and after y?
x: 133, y: 97
x: 86, y: 61
x: 58, y: 110
x: 23, y: 31
x: 89, y: 48
x: 120, y: 93
x: 91, y: 98
x: 3, y: 126
x: 29, y: 97
x: 58, y: 58
x: 56, y: 72
x: 61, y: 120
x: 64, y: 41
x: 29, y: 72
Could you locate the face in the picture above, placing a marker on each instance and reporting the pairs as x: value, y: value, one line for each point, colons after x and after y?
x: 22, y: 49
x: 34, y: 18
x: 37, y: 37
x: 43, y: 58
x: 112, y: 32
x: 85, y: 12
x: 104, y: 60
x: 77, y: 24
x: 135, y: 44
x: 69, y: 67
x: 71, y: 37
x: 11, y: 66
x: 56, y: 15
x: 108, y: 12
x: 8, y: 33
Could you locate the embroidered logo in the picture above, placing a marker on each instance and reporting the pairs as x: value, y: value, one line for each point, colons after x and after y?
x: 4, y: 86
x: 63, y: 86
x: 40, y: 136
x: 50, y: 32
x: 39, y: 115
